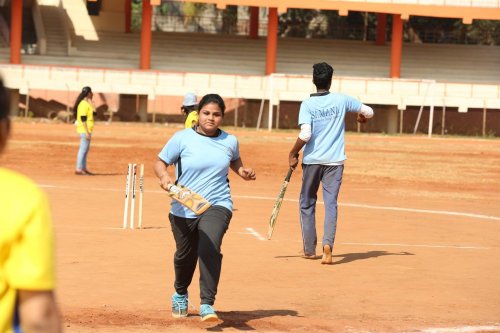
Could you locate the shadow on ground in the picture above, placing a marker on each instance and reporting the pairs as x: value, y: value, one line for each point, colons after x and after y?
x: 350, y: 257
x: 239, y: 319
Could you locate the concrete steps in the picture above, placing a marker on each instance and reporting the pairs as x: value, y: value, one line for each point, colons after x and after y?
x: 56, y: 38
x: 204, y: 53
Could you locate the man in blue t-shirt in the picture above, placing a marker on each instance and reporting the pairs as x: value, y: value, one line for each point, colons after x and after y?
x: 321, y: 121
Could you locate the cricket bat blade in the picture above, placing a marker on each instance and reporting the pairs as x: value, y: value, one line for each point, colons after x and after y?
x: 277, y: 205
x: 188, y: 198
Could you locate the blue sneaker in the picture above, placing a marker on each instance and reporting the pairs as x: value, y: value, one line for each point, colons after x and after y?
x: 207, y: 313
x: 179, y: 305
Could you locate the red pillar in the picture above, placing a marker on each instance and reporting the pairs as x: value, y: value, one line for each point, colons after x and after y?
x: 147, y: 11
x: 254, y: 22
x: 272, y: 41
x: 396, y: 46
x: 16, y: 31
x: 128, y: 16
x: 381, y: 28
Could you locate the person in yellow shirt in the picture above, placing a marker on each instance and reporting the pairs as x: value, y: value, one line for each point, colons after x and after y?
x: 27, y: 302
x: 84, y: 114
x: 190, y: 109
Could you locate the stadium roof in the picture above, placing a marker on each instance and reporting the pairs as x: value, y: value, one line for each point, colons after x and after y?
x: 465, y: 9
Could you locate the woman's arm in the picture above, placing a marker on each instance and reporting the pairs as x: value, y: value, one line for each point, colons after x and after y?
x: 161, y: 171
x: 245, y: 173
x: 87, y: 133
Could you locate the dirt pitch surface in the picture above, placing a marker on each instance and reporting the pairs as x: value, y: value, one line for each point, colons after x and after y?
x: 417, y: 247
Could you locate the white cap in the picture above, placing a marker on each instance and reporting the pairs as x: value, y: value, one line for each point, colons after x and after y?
x: 189, y: 99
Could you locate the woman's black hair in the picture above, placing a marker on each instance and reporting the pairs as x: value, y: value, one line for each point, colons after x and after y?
x: 212, y: 98
x: 4, y: 102
x: 84, y: 93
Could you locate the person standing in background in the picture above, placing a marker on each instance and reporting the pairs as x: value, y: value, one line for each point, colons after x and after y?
x: 322, y: 129
x: 84, y: 114
x: 27, y: 301
x: 190, y: 109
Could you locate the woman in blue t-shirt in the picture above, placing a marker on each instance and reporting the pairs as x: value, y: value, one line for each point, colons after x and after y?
x: 202, y: 156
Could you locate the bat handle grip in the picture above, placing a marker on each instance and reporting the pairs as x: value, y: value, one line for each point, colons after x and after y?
x: 287, y: 178
x: 173, y: 189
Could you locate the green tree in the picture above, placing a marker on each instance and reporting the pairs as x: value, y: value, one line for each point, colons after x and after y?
x: 448, y: 30
x: 295, y: 22
x: 309, y: 23
x: 136, y: 15
x: 485, y: 32
x: 229, y: 20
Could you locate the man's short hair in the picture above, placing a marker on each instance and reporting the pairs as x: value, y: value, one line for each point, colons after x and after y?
x: 322, y: 75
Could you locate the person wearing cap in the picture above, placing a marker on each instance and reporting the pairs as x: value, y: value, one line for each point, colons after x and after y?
x: 84, y: 114
x: 190, y: 109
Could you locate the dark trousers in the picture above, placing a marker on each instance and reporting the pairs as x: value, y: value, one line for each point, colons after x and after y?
x: 330, y: 176
x: 199, y: 239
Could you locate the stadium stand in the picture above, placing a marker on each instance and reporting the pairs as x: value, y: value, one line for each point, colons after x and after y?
x: 240, y: 55
x: 467, y: 76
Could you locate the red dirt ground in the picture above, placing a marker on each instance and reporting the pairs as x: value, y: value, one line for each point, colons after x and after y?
x: 417, y: 245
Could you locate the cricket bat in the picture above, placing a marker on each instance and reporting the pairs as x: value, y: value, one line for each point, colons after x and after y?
x: 277, y: 204
x: 188, y: 198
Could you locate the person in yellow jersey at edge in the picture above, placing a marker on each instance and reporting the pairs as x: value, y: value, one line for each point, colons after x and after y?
x: 190, y: 109
x: 27, y: 301
x: 84, y: 114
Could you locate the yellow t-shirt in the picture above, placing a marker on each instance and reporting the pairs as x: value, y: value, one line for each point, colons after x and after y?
x: 26, y: 242
x: 192, y: 117
x: 84, y: 109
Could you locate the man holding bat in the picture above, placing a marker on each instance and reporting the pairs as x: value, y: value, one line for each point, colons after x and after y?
x: 202, y: 156
x: 321, y: 121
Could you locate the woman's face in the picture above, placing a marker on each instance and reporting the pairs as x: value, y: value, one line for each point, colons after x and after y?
x: 210, y: 118
x: 90, y: 95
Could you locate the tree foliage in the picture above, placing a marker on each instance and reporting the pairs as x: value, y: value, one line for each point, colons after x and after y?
x: 309, y: 23
x: 447, y: 30
x: 136, y: 15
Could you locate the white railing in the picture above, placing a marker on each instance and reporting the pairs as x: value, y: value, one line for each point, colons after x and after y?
x: 276, y: 88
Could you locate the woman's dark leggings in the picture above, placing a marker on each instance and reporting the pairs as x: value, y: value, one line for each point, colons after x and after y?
x: 199, y: 238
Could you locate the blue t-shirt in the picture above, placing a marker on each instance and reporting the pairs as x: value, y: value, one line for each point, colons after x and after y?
x: 326, y: 113
x: 202, y: 165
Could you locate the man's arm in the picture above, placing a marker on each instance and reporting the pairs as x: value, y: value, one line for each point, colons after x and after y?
x: 364, y: 113
x: 293, y: 157
x: 38, y: 312
x: 304, y: 137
